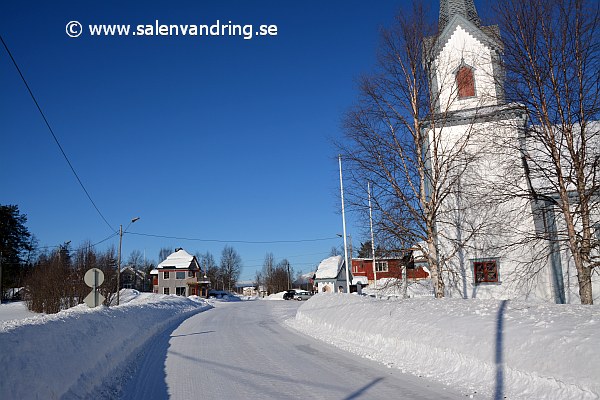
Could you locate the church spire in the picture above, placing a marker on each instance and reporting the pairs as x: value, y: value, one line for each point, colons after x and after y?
x: 465, y: 8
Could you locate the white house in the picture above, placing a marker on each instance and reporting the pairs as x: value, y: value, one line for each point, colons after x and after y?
x: 485, y: 236
x: 331, y: 275
x: 179, y: 274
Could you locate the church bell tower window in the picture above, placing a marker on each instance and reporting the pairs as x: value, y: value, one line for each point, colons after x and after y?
x: 465, y: 82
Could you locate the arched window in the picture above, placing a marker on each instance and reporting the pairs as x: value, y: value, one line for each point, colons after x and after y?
x: 465, y: 82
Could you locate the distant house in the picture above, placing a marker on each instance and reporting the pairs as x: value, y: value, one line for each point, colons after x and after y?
x: 387, y: 268
x: 331, y: 275
x: 179, y: 274
x: 132, y: 278
x: 246, y: 288
x: 305, y: 282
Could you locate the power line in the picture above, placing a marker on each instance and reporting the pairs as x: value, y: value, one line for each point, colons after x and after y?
x: 304, y: 264
x: 105, y: 239
x: 112, y: 235
x: 52, y: 132
x: 234, y: 241
x: 295, y: 256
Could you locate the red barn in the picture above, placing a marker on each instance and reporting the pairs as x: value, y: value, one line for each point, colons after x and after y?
x: 387, y: 267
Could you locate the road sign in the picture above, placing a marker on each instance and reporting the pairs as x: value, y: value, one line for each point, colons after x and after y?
x: 94, y: 299
x: 94, y: 278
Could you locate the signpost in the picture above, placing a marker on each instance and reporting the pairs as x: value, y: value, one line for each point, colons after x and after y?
x: 94, y: 278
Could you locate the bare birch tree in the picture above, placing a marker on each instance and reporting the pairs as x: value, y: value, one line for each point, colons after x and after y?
x: 230, y: 267
x: 209, y: 268
x: 552, y: 59
x: 394, y: 138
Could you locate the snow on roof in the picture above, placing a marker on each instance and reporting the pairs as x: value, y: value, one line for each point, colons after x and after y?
x: 362, y: 279
x: 179, y: 259
x: 304, y: 278
x: 329, y: 268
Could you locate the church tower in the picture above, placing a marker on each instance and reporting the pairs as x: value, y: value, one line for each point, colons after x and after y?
x: 474, y: 139
x: 466, y: 8
x: 465, y: 59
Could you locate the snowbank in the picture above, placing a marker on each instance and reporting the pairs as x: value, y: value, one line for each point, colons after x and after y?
x: 275, y: 296
x: 15, y: 310
x: 484, y: 347
x: 72, y: 352
x: 392, y: 287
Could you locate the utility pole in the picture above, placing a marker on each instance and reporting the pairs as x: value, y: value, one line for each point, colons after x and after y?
x: 119, y: 256
x: 344, y: 227
x: 119, y: 263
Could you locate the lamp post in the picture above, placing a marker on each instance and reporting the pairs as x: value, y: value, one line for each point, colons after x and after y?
x: 119, y: 257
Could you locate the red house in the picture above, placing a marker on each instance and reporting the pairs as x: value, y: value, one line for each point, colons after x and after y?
x: 387, y: 267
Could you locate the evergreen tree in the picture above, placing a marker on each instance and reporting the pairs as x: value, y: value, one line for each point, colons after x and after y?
x: 15, y: 242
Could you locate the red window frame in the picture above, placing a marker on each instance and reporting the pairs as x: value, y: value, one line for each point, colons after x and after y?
x: 485, y: 271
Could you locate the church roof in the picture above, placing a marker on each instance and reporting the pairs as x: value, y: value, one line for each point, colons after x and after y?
x: 465, y: 8
x: 460, y: 12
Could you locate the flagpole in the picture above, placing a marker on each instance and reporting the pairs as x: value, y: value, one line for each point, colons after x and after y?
x: 344, y: 227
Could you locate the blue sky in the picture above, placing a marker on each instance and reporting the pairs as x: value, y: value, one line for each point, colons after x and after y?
x: 216, y: 138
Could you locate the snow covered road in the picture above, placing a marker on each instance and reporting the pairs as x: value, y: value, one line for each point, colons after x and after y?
x: 242, y: 350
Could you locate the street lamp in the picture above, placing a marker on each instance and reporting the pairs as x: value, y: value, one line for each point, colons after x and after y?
x: 350, y: 250
x: 119, y: 257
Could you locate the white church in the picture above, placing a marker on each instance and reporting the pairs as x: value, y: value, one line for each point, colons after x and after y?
x: 495, y: 243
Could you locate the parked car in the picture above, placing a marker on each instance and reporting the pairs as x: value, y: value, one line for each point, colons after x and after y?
x: 219, y: 294
x: 289, y: 294
x: 303, y: 295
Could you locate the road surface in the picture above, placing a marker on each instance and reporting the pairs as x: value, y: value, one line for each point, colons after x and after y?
x: 242, y: 350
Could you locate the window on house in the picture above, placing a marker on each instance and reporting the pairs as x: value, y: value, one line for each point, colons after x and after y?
x: 465, y: 82
x: 166, y: 275
x: 180, y: 275
x: 485, y: 271
x: 191, y: 274
x: 381, y: 266
x: 166, y: 290
x: 180, y: 291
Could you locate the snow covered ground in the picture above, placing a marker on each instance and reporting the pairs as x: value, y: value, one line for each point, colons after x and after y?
x: 489, y: 349
x: 76, y: 351
x: 486, y: 349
